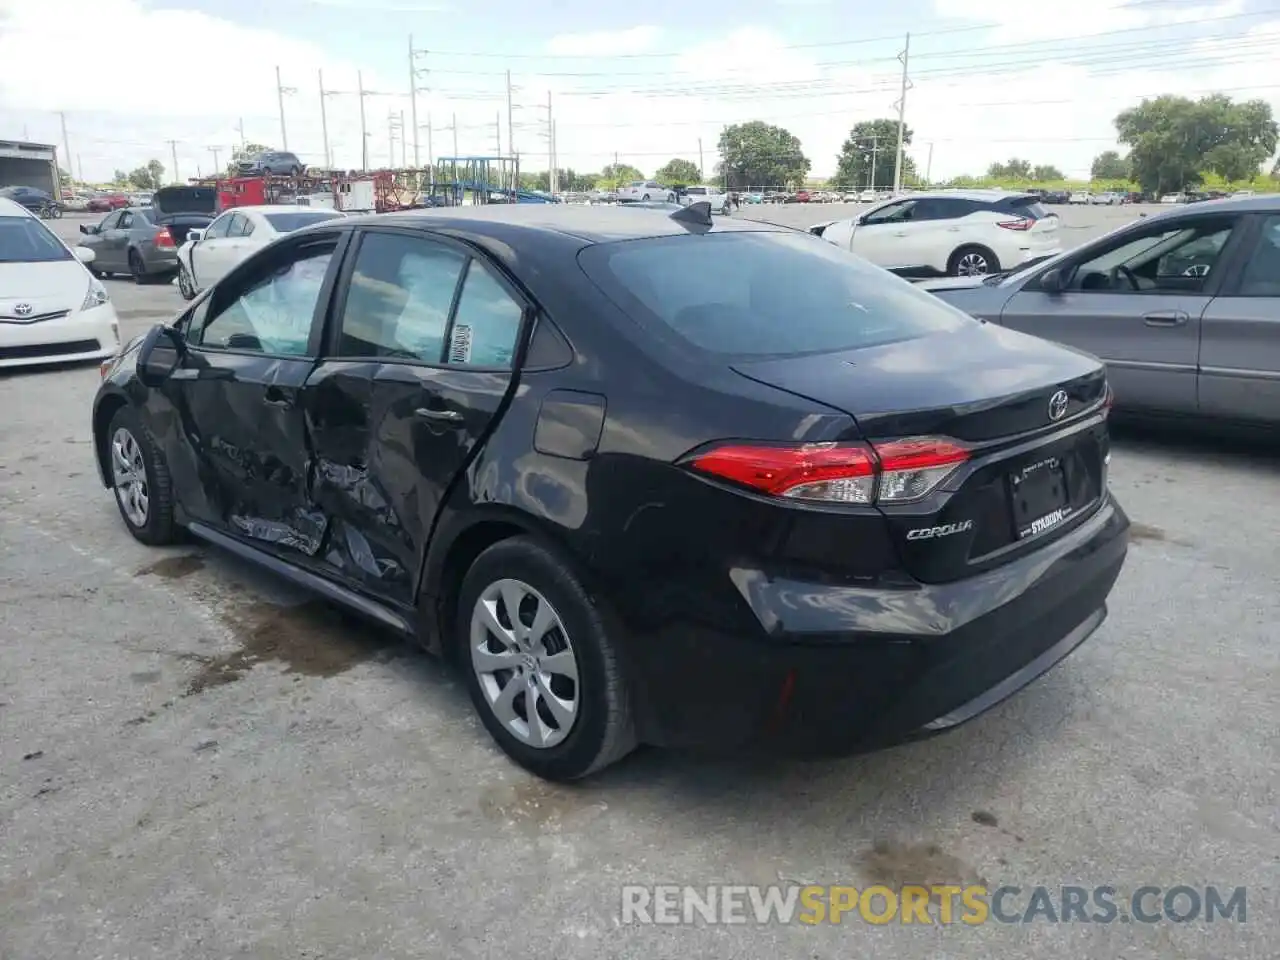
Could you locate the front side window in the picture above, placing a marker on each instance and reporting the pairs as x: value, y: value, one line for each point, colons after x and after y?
x: 399, y: 299
x: 218, y: 229
x: 272, y: 311
x: 754, y: 294
x: 893, y: 213
x: 1176, y: 259
x: 27, y: 240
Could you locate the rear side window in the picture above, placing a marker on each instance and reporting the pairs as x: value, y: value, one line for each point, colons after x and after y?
x: 762, y: 294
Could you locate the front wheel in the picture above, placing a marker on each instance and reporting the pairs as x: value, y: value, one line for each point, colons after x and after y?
x: 186, y: 286
x: 541, y: 662
x: 972, y: 262
x: 140, y: 480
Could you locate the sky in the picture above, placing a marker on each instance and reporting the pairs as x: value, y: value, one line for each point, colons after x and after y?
x: 645, y: 83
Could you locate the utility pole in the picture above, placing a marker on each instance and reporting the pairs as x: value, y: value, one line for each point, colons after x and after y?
x: 281, y: 90
x: 431, y: 161
x: 700, y: 167
x: 454, y: 127
x: 215, y: 151
x: 80, y: 167
x: 551, y: 149
x: 928, y: 166
x: 173, y: 148
x: 324, y: 119
x: 511, y: 139
x: 66, y: 146
x: 414, y: 73
x: 905, y: 57
x: 555, y: 160
x: 364, y: 135
x: 875, y: 149
x: 404, y: 141
x: 497, y: 132
x: 240, y: 128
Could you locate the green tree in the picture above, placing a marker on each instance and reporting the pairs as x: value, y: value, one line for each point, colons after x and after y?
x: 872, y: 145
x: 678, y: 171
x: 759, y: 154
x: 1109, y: 165
x: 1046, y: 173
x: 1013, y: 169
x: 120, y: 177
x: 1173, y: 141
x: 618, y: 173
x: 150, y: 177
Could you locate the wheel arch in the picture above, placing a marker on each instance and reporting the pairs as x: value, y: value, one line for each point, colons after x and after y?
x: 107, y: 407
x: 972, y: 245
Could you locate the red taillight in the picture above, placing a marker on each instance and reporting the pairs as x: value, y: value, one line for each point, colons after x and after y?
x: 1020, y: 224
x: 894, y: 471
x: 164, y: 238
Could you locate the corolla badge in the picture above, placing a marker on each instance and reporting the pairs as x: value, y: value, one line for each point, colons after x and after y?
x: 1058, y: 405
x: 21, y: 309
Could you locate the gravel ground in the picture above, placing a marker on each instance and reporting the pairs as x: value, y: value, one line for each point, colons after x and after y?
x: 198, y: 762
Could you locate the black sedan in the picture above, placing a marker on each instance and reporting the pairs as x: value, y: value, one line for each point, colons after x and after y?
x: 648, y: 479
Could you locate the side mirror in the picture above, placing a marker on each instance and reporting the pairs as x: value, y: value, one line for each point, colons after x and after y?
x: 195, y: 235
x: 85, y: 228
x: 1052, y: 281
x: 161, y: 353
x: 84, y: 254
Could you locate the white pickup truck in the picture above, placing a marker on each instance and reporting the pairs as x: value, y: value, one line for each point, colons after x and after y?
x: 645, y: 190
x: 719, y: 201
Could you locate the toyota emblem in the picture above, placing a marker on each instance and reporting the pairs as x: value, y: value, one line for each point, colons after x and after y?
x: 22, y: 309
x: 1058, y: 405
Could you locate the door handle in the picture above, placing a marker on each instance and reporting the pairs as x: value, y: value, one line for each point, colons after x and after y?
x: 1171, y: 318
x: 429, y: 413
x: 275, y: 397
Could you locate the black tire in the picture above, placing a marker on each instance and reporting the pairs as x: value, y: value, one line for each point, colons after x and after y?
x: 137, y: 269
x: 159, y: 528
x: 603, y: 731
x: 645, y: 198
x: 965, y: 256
x: 186, y: 285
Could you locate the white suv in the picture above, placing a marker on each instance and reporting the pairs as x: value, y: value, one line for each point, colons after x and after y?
x: 646, y: 190
x: 719, y: 201
x: 952, y: 233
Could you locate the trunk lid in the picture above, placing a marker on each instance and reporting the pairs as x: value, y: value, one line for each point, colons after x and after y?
x: 1036, y: 466
x: 169, y: 201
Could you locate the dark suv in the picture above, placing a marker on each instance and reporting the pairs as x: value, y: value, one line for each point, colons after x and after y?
x: 37, y: 201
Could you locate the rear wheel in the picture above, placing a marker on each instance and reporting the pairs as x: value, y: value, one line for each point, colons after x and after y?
x: 541, y: 664
x: 137, y: 269
x: 645, y: 198
x: 140, y: 480
x: 972, y: 261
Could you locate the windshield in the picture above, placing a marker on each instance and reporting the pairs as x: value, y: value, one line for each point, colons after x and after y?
x: 26, y: 240
x: 762, y: 294
x: 288, y: 222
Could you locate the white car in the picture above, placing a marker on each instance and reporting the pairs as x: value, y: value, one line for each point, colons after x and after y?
x: 952, y: 233
x: 1080, y: 196
x: 1108, y: 199
x: 868, y: 196
x: 51, y: 309
x: 1171, y: 198
x: 646, y: 190
x: 719, y: 201
x: 209, y: 254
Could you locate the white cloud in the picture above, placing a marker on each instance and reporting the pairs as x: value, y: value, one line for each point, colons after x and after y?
x: 1013, y: 90
x: 604, y: 43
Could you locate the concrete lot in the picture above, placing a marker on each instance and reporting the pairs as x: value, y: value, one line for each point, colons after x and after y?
x: 198, y: 762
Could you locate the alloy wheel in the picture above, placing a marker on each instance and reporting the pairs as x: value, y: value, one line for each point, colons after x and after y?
x: 185, y: 286
x: 129, y: 471
x: 973, y: 264
x: 525, y: 663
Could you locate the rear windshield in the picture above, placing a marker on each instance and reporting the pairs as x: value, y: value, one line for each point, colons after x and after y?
x: 763, y: 294
x: 26, y: 240
x: 288, y: 222
x: 697, y: 191
x: 1030, y: 207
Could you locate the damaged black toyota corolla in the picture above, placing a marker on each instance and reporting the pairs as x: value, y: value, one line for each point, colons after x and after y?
x: 649, y: 478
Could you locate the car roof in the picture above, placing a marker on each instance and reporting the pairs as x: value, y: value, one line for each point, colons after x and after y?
x: 279, y: 208
x: 1259, y: 203
x: 975, y: 194
x: 589, y: 224
x: 11, y: 208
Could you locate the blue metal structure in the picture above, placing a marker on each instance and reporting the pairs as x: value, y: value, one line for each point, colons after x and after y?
x: 485, y: 179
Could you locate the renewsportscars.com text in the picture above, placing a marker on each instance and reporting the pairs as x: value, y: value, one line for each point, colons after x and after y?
x: 938, y: 904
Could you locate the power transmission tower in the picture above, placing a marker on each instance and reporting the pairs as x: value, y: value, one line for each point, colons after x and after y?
x: 281, y: 90
x: 414, y: 73
x: 363, y: 94
x: 511, y: 141
x: 240, y: 130
x: 215, y: 151
x: 904, y: 57
x: 66, y: 145
x: 394, y: 129
x: 173, y: 151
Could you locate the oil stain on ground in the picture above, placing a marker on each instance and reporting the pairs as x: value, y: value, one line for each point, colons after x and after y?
x: 173, y: 568
x: 312, y: 639
x: 535, y: 803
x: 896, y: 865
x: 1144, y: 532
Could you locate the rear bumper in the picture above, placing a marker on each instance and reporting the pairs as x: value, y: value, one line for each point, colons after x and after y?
x: 841, y: 669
